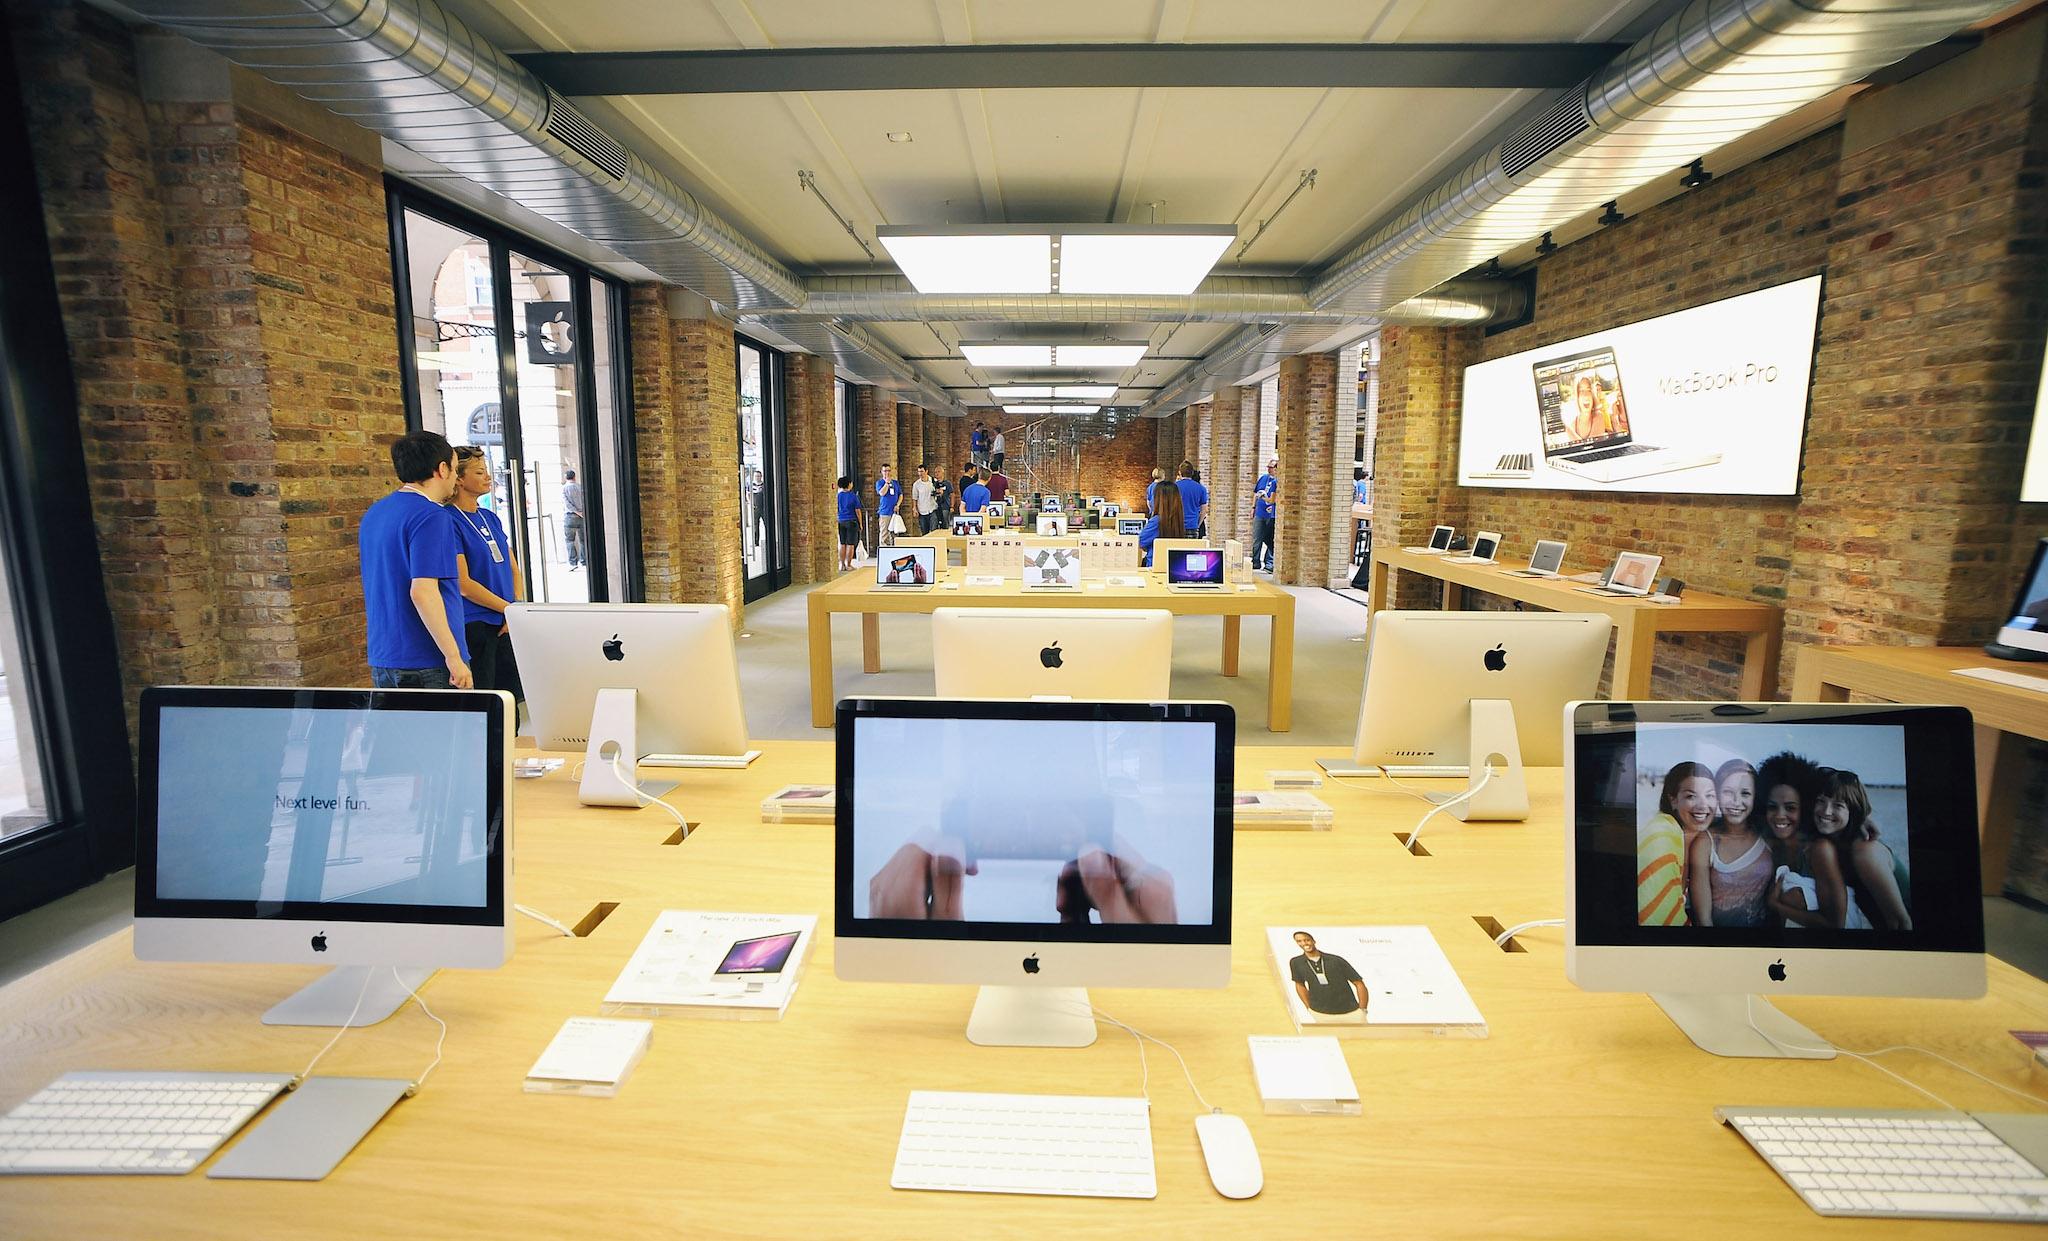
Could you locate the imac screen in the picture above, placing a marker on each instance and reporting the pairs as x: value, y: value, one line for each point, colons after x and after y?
x: 765, y: 954
x: 262, y: 806
x: 1855, y: 830
x: 1118, y: 827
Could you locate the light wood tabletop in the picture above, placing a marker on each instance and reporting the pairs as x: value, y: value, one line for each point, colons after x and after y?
x: 2005, y: 716
x: 857, y: 593
x: 1581, y: 1115
x: 1637, y: 621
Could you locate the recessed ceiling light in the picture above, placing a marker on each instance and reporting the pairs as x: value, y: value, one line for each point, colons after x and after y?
x: 1097, y: 355
x: 1051, y: 409
x: 1084, y: 392
x: 972, y: 263
x: 1165, y: 262
x: 1021, y: 392
x: 899, y: 135
x: 1007, y: 355
x: 1076, y: 258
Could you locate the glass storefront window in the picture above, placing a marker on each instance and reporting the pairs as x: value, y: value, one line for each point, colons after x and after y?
x: 554, y: 505
x: 22, y: 801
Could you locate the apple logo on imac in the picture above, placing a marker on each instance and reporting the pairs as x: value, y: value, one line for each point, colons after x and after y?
x: 1031, y: 964
x: 320, y: 942
x: 1051, y: 656
x: 1496, y: 660
x: 615, y: 650
x: 1776, y: 971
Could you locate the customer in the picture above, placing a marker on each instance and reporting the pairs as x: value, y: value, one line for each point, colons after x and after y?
x: 849, y: 522
x: 1265, y: 500
x: 977, y: 446
x: 1194, y: 498
x: 888, y: 493
x: 1166, y: 521
x: 995, y: 452
x: 407, y: 546
x: 974, y: 496
x: 572, y: 520
x: 942, y: 496
x: 486, y: 574
x: 927, y: 503
x: 998, y: 482
x: 968, y: 476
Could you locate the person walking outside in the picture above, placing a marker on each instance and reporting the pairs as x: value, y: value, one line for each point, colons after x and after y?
x: 572, y: 520
x: 927, y: 503
x: 1265, y: 500
x: 408, y: 548
x: 486, y: 575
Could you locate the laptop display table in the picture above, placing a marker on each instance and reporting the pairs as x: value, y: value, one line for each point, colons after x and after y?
x: 857, y: 593
x: 1637, y: 621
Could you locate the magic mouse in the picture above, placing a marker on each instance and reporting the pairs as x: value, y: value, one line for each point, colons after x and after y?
x: 1227, y: 1149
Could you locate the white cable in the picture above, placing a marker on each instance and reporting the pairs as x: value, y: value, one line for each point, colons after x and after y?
x: 1868, y: 1058
x: 1382, y: 780
x: 1459, y: 800
x: 360, y: 993
x: 646, y: 799
x: 439, y: 1043
x: 538, y: 916
x: 1501, y: 939
x: 1144, y: 1038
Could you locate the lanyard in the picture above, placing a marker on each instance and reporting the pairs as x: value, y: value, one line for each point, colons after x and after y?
x: 483, y: 532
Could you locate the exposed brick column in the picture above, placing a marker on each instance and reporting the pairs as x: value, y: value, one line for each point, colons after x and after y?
x: 1415, y: 484
x: 1249, y: 464
x: 1221, y: 469
x: 1307, y: 433
x: 813, y: 547
x: 874, y: 434
x: 1167, y: 452
x: 685, y: 391
x: 909, y: 453
x: 656, y: 442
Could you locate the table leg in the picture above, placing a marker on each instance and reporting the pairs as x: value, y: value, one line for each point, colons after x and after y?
x: 1231, y: 625
x: 821, y: 664
x: 1760, y: 654
x: 2001, y: 777
x: 870, y: 641
x: 1809, y: 683
x: 1376, y: 587
x: 1635, y: 645
x: 1280, y: 668
x: 1454, y: 597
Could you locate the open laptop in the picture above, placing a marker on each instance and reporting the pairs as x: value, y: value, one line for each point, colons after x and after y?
x: 967, y: 523
x: 1632, y: 573
x: 1052, y: 568
x: 1484, y: 545
x: 1194, y: 568
x: 1585, y: 426
x: 1545, y: 561
x: 907, y: 568
x: 1130, y: 526
x: 1439, y: 542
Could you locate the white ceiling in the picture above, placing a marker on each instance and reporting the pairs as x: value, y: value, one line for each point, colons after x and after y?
x: 1180, y: 155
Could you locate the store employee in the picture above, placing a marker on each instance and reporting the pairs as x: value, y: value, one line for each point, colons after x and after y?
x: 974, y: 497
x: 888, y: 493
x: 1325, y: 982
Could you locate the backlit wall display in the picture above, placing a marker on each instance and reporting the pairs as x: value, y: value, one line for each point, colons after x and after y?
x: 2034, y: 484
x: 1708, y: 401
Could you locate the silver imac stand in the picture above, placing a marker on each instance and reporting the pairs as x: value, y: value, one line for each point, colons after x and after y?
x: 1031, y: 1017
x: 1721, y: 1024
x: 329, y: 999
x: 615, y: 731
x: 1492, y: 740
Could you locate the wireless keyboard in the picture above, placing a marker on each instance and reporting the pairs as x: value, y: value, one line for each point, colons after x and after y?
x: 1920, y: 1165
x: 1075, y: 1145
x: 143, y: 1123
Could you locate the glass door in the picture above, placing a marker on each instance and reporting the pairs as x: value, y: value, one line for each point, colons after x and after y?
x: 554, y: 506
x: 764, y: 517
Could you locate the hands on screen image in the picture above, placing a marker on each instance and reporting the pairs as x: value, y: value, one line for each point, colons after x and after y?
x: 1120, y: 886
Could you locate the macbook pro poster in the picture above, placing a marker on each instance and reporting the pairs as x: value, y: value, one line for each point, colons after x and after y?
x: 1707, y: 401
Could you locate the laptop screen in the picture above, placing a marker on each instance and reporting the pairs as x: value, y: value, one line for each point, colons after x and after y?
x: 906, y: 566
x: 1194, y: 565
x: 1579, y: 401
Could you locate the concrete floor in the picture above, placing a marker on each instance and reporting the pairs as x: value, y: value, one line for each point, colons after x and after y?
x: 1328, y: 673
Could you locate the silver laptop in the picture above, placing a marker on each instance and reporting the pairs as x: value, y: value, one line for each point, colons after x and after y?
x: 1544, y: 561
x: 1585, y: 425
x: 1194, y: 568
x: 906, y: 568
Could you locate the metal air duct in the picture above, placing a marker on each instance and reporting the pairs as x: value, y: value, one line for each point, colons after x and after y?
x: 1713, y: 72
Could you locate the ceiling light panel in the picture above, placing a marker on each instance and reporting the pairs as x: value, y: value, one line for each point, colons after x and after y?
x: 1051, y: 409
x: 1097, y: 355
x: 1140, y: 263
x: 999, y: 356
x: 973, y: 262
x: 1023, y: 392
x: 1083, y: 392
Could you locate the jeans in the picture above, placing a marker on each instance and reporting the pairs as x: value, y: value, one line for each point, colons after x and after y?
x: 409, y: 678
x: 572, y: 538
x: 927, y: 522
x: 995, y: 462
x: 1262, y: 536
x: 491, y: 665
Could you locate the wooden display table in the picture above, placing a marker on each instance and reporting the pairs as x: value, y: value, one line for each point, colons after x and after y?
x: 1637, y: 622
x: 1926, y: 674
x: 856, y: 592
x: 1582, y: 1115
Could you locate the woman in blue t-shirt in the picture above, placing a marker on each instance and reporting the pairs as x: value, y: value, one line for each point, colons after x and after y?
x: 1165, y: 516
x: 486, y: 574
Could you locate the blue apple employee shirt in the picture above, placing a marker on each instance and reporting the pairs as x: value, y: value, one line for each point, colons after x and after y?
x: 890, y: 493
x: 404, y: 536
x: 1262, y: 507
x: 849, y: 504
x: 480, y: 537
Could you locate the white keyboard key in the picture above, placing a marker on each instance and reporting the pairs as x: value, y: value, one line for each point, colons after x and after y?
x: 54, y: 1160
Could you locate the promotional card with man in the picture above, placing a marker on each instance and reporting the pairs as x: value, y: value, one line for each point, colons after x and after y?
x: 1707, y: 401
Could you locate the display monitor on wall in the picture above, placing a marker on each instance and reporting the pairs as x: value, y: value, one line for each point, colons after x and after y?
x: 1709, y: 401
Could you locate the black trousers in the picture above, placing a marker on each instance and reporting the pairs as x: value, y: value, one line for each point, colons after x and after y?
x: 490, y: 659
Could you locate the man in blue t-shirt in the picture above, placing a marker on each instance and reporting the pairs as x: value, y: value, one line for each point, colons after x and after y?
x: 975, y: 497
x: 849, y: 522
x: 1194, y: 498
x: 1264, y: 497
x: 408, y: 547
x: 888, y: 493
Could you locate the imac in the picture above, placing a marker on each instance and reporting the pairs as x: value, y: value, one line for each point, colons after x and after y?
x: 965, y: 524
x: 2025, y: 636
x: 1115, y: 872
x: 651, y: 683
x: 996, y: 512
x: 369, y: 830
x: 1453, y: 693
x: 1780, y: 800
x: 1130, y: 526
x: 1053, y: 653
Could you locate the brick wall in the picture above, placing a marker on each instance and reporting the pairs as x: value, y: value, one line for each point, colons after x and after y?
x: 1307, y: 429
x: 225, y: 281
x: 1422, y: 380
x: 1119, y: 466
x: 909, y: 453
x: 685, y: 392
x: 813, y: 547
x: 874, y: 431
x: 1249, y: 463
x: 1221, y: 468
